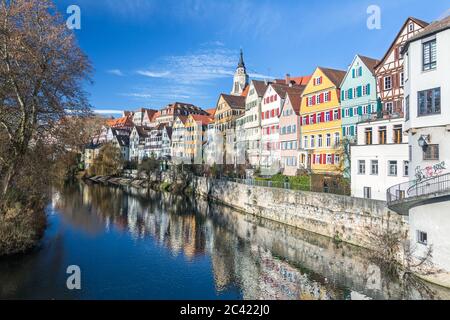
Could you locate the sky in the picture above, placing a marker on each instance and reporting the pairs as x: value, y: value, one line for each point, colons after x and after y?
x: 148, y: 53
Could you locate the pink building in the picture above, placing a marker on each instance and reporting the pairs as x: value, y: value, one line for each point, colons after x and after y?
x: 290, y: 133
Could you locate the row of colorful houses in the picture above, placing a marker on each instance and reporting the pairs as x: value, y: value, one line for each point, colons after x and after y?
x: 333, y: 122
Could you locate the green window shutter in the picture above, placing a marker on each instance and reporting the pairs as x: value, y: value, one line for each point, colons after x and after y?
x: 360, y: 71
x: 351, y: 112
x: 342, y: 95
x: 360, y: 111
x: 343, y: 113
x: 359, y: 91
x: 368, y: 89
x: 350, y: 94
x: 343, y: 131
x: 352, y: 130
x: 353, y: 73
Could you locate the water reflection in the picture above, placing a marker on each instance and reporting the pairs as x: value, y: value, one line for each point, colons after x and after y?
x: 215, y: 253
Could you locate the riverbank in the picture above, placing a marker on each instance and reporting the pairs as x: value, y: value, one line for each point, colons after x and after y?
x: 21, y: 230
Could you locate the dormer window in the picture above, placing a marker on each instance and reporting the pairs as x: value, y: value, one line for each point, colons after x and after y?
x: 317, y: 81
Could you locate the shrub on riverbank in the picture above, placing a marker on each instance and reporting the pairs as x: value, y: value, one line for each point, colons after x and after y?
x: 21, y: 229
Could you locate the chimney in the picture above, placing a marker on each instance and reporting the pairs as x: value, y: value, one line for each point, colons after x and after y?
x: 288, y: 78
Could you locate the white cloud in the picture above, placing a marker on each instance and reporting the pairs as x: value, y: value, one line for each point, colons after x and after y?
x: 116, y: 72
x: 138, y: 95
x: 260, y: 76
x: 106, y: 111
x: 196, y: 68
x: 152, y: 74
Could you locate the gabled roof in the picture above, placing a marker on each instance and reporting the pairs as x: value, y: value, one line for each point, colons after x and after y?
x: 120, y: 122
x: 124, y: 141
x: 245, y: 92
x: 421, y: 23
x: 150, y: 113
x: 211, y: 112
x: 335, y: 76
x: 301, y: 81
x: 142, y: 131
x: 296, y: 101
x: 369, y: 62
x: 434, y: 27
x: 235, y: 102
x: 283, y: 89
x: 201, y: 118
x: 260, y: 87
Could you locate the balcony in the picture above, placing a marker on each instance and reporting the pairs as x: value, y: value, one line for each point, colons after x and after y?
x: 402, y: 197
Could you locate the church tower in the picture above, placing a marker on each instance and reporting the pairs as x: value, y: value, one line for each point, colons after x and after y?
x: 241, y: 78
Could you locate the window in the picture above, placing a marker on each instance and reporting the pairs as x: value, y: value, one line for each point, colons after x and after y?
x: 382, y: 139
x: 393, y: 168
x: 398, y: 134
x: 318, y: 81
x: 368, y: 134
x: 429, y: 102
x: 336, y: 114
x: 329, y: 159
x: 422, y: 237
x: 328, y: 140
x: 313, y: 140
x: 390, y: 107
x: 406, y: 168
x: 319, y: 143
x: 429, y: 55
x: 337, y: 139
x: 411, y: 27
x: 388, y: 83
x: 361, y: 167
x: 402, y: 79
x: 347, y: 113
x: 319, y: 118
x: 327, y: 116
x: 337, y: 159
x: 367, y: 193
x: 431, y: 152
x: 327, y: 96
x: 407, y: 108
x: 374, y: 167
x: 305, y: 142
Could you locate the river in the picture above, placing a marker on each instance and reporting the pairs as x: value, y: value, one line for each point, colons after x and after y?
x: 141, y: 244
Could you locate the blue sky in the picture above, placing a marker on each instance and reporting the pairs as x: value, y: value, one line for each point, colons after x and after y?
x: 148, y: 53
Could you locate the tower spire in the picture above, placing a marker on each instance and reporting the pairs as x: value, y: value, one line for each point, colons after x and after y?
x: 241, y: 60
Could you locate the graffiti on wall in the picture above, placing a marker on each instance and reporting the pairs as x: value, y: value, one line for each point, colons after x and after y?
x: 430, y: 171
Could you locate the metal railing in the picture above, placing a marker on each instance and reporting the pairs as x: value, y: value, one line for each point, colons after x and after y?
x: 269, y: 184
x: 413, y: 189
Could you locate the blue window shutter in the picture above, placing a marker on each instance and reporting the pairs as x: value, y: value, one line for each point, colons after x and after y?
x: 359, y: 91
x: 343, y: 131
x: 360, y: 111
x: 343, y: 113
x: 352, y: 130
x: 351, y: 112
x: 360, y: 71
x: 342, y: 95
x: 350, y: 94
x: 353, y: 73
x: 368, y: 89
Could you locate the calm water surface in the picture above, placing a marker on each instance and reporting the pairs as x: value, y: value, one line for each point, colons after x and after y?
x: 139, y: 244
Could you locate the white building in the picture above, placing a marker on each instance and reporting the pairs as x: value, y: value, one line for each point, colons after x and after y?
x: 380, y: 158
x: 427, y: 92
x: 252, y: 121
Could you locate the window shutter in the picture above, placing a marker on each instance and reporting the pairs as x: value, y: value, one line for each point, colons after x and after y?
x: 307, y: 120
x: 322, y: 97
x: 360, y: 71
x: 314, y: 81
x: 313, y: 158
x: 368, y: 89
x: 313, y: 100
x: 307, y: 101
x: 314, y: 119
x: 343, y: 131
x: 342, y: 95
x: 351, y: 112
x: 332, y: 159
x: 353, y: 73
x: 350, y: 94
x: 381, y: 84
x: 352, y: 130
x: 323, y: 116
x: 360, y: 111
x: 359, y: 91
x: 341, y: 114
x: 329, y: 95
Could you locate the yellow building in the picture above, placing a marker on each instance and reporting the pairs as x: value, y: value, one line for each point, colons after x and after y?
x: 321, y: 122
x: 195, y: 136
x: 229, y: 108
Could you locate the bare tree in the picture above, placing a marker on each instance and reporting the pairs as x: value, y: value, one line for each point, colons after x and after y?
x: 42, y: 71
